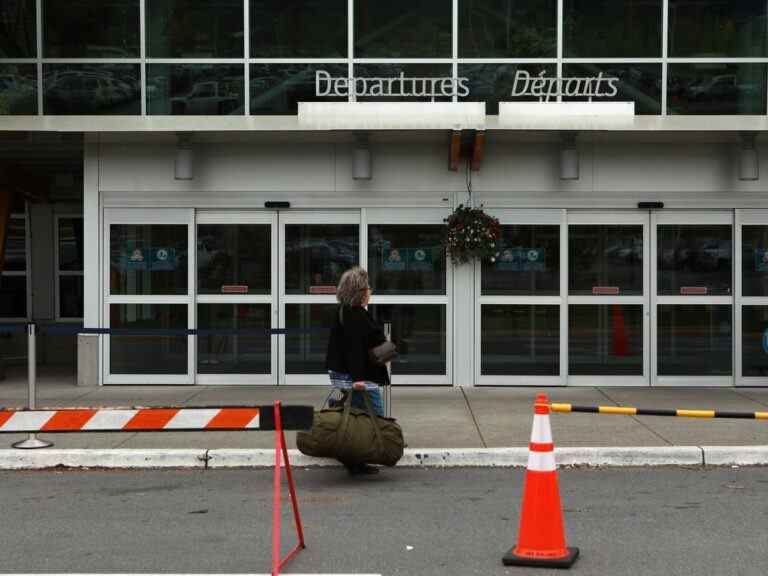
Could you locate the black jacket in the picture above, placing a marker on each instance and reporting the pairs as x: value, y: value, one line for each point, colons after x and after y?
x: 349, y: 344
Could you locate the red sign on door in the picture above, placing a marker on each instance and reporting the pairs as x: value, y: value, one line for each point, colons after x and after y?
x: 693, y: 290
x: 605, y: 290
x: 322, y: 289
x: 234, y: 289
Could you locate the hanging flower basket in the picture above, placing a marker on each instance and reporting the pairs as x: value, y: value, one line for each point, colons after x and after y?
x: 471, y: 233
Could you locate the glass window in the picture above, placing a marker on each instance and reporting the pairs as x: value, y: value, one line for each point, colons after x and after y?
x: 91, y: 29
x: 754, y: 341
x: 71, y: 244
x: 717, y: 28
x: 403, y: 28
x: 410, y: 71
x: 716, y: 88
x: 18, y: 89
x: 406, y: 259
x: 194, y: 28
x: 507, y: 28
x: 109, y: 89
x: 148, y: 354
x: 419, y: 332
x: 612, y: 28
x: 605, y: 340
x: 605, y: 260
x: 638, y: 83
x: 278, y: 88
x: 18, y: 29
x: 493, y: 83
x: 305, y: 352
x: 298, y: 28
x: 71, y: 296
x: 195, y: 89
x: 694, y: 340
x: 16, y: 246
x: 70, y: 271
x: 234, y: 255
x: 234, y: 353
x: 694, y: 260
x: 528, y: 263
x: 316, y: 255
x: 13, y: 296
x: 520, y: 340
x: 754, y: 261
x: 148, y: 259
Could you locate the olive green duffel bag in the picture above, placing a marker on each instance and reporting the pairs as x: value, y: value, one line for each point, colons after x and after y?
x: 353, y: 436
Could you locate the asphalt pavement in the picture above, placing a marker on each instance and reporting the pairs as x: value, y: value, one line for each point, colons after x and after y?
x: 403, y: 521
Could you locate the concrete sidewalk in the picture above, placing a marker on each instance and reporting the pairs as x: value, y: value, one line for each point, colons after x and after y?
x: 431, y: 417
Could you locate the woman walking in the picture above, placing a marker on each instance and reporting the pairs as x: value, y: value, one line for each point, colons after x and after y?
x: 355, y: 332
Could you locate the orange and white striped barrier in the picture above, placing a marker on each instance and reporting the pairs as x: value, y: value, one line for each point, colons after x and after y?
x: 541, y: 540
x: 246, y: 418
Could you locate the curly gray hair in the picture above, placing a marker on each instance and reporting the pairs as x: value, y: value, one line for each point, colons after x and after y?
x: 352, y: 286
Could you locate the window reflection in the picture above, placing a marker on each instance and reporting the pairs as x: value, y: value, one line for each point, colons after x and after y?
x: 234, y: 354
x: 406, y: 259
x: 195, y: 89
x: 13, y: 296
x: 403, y: 28
x: 605, y: 260
x: 612, y: 28
x: 305, y: 351
x: 298, y: 28
x: 234, y: 255
x: 605, y: 340
x: 18, y: 89
x: 507, y: 28
x: 111, y: 89
x: 694, y: 260
x: 754, y: 335
x: 754, y: 260
x: 419, y: 332
x: 18, y: 29
x: 638, y: 83
x: 316, y: 255
x: 493, y: 83
x: 520, y: 340
x: 528, y: 262
x: 194, y: 28
x: 695, y: 340
x: 717, y: 28
x: 278, y: 88
x: 716, y: 88
x: 91, y: 29
x: 71, y: 244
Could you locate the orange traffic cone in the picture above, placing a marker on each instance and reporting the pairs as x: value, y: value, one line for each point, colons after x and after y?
x: 542, y: 537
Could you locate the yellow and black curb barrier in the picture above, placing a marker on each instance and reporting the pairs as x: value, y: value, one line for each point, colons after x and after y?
x: 631, y: 411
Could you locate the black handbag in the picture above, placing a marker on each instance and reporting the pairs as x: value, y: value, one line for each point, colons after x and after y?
x: 379, y: 355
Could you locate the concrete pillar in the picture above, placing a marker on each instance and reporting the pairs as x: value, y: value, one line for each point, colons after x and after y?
x: 87, y: 360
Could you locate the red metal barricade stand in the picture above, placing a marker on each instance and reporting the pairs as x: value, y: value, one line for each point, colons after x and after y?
x: 219, y: 419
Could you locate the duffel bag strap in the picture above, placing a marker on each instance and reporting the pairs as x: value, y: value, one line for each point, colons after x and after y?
x: 341, y: 431
x: 374, y: 420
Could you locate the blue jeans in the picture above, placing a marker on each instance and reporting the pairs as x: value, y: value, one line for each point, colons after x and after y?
x: 373, y: 395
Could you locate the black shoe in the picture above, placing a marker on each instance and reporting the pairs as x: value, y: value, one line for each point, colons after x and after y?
x: 361, y: 469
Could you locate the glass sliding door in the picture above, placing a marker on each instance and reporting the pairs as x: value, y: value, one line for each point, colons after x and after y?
x: 520, y: 311
x: 411, y: 281
x: 608, y: 298
x: 236, y: 291
x: 149, y: 284
x: 315, y: 248
x: 693, y: 299
x: 751, y: 316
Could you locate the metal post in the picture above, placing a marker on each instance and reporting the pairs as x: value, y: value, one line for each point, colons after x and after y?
x: 32, y: 441
x: 388, y: 389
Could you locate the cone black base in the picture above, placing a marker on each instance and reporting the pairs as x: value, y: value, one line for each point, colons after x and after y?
x: 512, y: 559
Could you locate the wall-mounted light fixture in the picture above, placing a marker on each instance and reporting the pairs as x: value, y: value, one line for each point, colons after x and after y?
x: 569, y: 157
x: 749, y: 166
x: 362, y: 164
x: 184, y: 158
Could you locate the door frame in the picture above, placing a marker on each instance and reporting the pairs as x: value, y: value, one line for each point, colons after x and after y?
x: 236, y: 217
x: 137, y: 216
x: 614, y: 217
x: 695, y: 218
